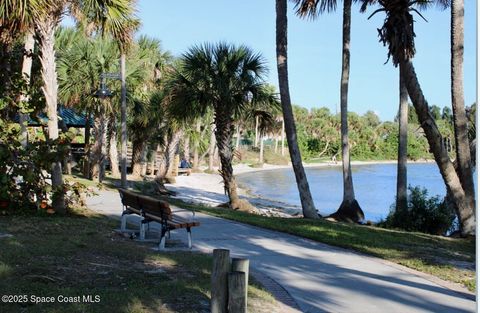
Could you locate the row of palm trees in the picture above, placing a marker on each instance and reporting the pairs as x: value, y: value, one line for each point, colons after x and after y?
x: 42, y: 18
x: 397, y: 33
x: 227, y: 82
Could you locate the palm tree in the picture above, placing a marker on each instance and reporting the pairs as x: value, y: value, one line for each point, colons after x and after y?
x: 460, y: 121
x: 100, y: 13
x: 397, y: 33
x: 349, y: 209
x: 81, y: 61
x: 16, y: 18
x: 306, y: 200
x: 147, y: 62
x: 220, y: 77
x: 401, y: 199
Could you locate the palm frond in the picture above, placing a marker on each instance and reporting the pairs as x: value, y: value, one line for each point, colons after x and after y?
x: 313, y: 8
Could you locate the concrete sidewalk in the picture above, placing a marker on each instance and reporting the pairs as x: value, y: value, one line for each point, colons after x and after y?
x: 320, y: 278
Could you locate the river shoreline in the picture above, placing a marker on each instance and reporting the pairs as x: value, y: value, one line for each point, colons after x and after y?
x: 207, y: 189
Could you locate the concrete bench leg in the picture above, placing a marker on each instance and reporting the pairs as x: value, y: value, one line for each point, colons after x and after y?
x: 123, y: 223
x: 161, y: 245
x: 189, y: 234
x: 142, y: 230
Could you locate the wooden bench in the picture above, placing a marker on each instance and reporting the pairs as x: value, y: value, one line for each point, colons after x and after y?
x: 153, y: 210
x: 184, y: 170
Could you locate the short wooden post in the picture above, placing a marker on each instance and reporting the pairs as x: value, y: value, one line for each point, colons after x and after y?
x: 241, y: 265
x: 236, y: 293
x: 221, y: 267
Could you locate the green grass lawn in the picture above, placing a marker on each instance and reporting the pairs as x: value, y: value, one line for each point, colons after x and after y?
x: 451, y: 259
x: 447, y: 258
x: 80, y: 254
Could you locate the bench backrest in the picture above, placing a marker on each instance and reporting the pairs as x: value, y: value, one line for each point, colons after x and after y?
x: 129, y: 198
x: 146, y: 204
x: 155, y: 207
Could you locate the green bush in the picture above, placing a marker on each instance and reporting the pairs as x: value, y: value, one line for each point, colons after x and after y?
x: 424, y: 214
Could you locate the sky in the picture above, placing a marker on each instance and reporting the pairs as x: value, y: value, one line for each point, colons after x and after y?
x: 314, y: 49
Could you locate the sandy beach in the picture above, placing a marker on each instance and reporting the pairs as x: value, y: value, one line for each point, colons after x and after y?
x: 207, y: 189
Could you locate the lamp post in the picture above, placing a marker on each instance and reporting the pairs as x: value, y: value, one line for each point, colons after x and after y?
x: 103, y: 93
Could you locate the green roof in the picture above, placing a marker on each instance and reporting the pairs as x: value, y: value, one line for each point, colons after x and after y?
x: 69, y: 116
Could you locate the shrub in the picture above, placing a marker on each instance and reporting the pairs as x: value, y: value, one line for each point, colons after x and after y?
x: 25, y: 185
x: 424, y: 214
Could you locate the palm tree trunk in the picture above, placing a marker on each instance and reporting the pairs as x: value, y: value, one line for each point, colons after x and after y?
x: 211, y: 150
x: 86, y: 165
x: 123, y: 118
x: 349, y: 209
x: 196, y: 146
x: 260, y: 159
x: 112, y: 147
x: 324, y: 149
x: 162, y: 163
x: 186, y: 148
x: 223, y: 135
x: 144, y: 162
x: 26, y: 73
x: 104, y: 152
x: 97, y: 149
x: 283, y: 137
x: 401, y: 203
x: 308, y: 206
x: 256, y: 131
x: 237, y: 142
x: 172, y: 150
x: 151, y: 163
x: 46, y: 35
x: 460, y: 120
x: 138, y: 148
x: 465, y: 208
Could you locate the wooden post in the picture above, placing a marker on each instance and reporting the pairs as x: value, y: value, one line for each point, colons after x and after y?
x: 237, y: 303
x: 242, y: 265
x: 221, y: 267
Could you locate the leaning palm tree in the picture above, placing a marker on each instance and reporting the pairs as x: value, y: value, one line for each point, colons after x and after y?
x: 397, y: 33
x: 220, y: 77
x: 349, y: 209
x: 99, y: 12
x: 306, y: 200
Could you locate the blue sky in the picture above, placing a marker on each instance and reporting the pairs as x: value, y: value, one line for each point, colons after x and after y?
x: 315, y: 49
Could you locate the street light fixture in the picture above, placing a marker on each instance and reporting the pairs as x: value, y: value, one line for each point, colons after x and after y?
x: 103, y: 92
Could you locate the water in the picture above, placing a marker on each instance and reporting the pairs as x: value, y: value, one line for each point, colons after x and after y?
x: 375, y: 186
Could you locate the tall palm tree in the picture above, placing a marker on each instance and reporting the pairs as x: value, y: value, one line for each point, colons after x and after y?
x: 147, y: 61
x: 17, y: 19
x: 220, y: 77
x: 460, y: 120
x: 349, y: 209
x: 81, y: 61
x: 401, y: 199
x: 99, y: 12
x: 306, y: 200
x: 398, y: 34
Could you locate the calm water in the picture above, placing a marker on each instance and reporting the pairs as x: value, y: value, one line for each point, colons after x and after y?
x: 375, y: 186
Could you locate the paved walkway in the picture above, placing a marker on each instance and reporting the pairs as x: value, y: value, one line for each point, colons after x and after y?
x: 320, y: 278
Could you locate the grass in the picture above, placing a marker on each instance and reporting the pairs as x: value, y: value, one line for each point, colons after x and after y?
x: 251, y: 157
x: 79, y: 254
x: 447, y: 258
x: 451, y: 259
